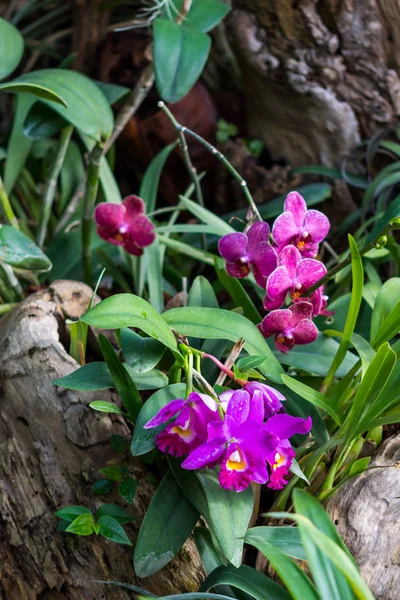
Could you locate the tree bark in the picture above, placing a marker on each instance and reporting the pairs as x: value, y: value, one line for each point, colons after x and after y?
x: 51, y: 447
x: 318, y: 76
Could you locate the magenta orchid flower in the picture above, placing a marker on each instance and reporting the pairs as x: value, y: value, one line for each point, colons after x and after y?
x: 294, y: 275
x: 251, y: 251
x: 280, y: 460
x: 290, y: 326
x: 125, y: 224
x: 303, y: 228
x: 239, y: 444
x: 319, y: 300
x: 189, y: 429
x: 269, y: 397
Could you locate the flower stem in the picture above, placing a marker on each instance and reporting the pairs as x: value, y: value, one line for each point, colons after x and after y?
x: 189, y: 374
x: 6, y: 206
x: 50, y: 191
x: 220, y: 365
x: 221, y: 157
x: 92, y: 184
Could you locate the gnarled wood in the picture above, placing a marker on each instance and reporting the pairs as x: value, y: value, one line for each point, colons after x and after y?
x: 51, y: 447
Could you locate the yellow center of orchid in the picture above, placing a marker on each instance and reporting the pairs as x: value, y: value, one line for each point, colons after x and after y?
x: 236, y: 462
x: 279, y: 461
x: 184, y: 432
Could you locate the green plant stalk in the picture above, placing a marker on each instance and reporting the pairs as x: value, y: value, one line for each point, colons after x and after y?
x: 5, y: 308
x: 6, y: 206
x: 6, y: 291
x: 89, y: 200
x: 225, y: 162
x: 189, y: 374
x: 9, y: 278
x: 50, y: 191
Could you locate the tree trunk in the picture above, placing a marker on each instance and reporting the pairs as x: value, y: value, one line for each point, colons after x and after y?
x: 51, y: 447
x: 318, y: 76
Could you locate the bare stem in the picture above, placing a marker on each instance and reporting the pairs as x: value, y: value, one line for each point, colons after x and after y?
x: 89, y: 201
x: 71, y: 207
x: 50, y: 191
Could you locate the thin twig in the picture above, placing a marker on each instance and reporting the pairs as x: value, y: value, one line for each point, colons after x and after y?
x: 92, y: 185
x: 50, y: 191
x: 230, y: 361
x: 71, y: 207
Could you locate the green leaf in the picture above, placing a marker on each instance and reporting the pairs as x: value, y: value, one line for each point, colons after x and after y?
x: 141, y: 353
x: 17, y: 250
x: 206, y: 216
x: 69, y: 513
x: 359, y: 466
x: 180, y: 54
x: 72, y: 173
x: 214, y: 323
x: 42, y: 122
x: 91, y: 377
x: 117, y: 512
x: 102, y: 487
x: 313, y: 396
x: 247, y: 580
x: 237, y: 292
x: 112, y: 530
x: 119, y: 443
x: 150, y: 380
x: 127, y: 310
x: 286, y: 539
x: 319, y: 170
x: 152, y: 259
x: 193, y: 490
x: 80, y: 102
x: 385, y: 302
x: 249, y: 362
x: 167, y: 524
x: 204, y: 15
x: 19, y: 145
x: 210, y: 556
x: 114, y: 473
x: 113, y: 92
x: 127, y: 489
x: 149, y: 186
x: 124, y: 383
x: 107, y: 407
x: 82, y: 525
x: 294, y: 578
x: 143, y: 440
x: 202, y: 294
x: 187, y: 250
x: 229, y: 514
x: 11, y: 48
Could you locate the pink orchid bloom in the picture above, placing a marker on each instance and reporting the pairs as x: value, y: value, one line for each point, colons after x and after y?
x: 290, y: 326
x: 251, y: 251
x: 125, y: 224
x: 294, y: 275
x: 303, y: 228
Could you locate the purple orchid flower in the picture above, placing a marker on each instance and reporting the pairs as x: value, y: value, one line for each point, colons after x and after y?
x: 319, y: 301
x: 189, y: 429
x: 299, y: 226
x: 290, y: 326
x: 280, y: 460
x: 251, y: 251
x: 239, y: 444
x: 294, y: 275
x: 268, y: 396
x: 125, y: 224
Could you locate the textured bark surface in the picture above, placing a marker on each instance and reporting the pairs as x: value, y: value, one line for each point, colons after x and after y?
x: 51, y: 447
x: 366, y: 511
x: 318, y: 75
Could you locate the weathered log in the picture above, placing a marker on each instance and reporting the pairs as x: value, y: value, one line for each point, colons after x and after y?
x: 51, y: 447
x: 366, y: 511
x: 318, y: 76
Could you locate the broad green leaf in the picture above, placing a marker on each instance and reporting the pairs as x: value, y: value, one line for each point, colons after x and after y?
x: 204, y: 15
x: 359, y: 466
x: 249, y: 362
x: 102, y: 487
x: 286, y: 539
x: 202, y: 294
x: 294, y: 578
x: 112, y: 530
x: 69, y: 513
x: 364, y: 350
x: 167, y: 524
x: 149, y: 186
x: 313, y: 396
x: 237, y: 292
x: 11, y: 48
x: 114, y: 473
x: 320, y: 170
x: 82, y: 103
x: 141, y: 353
x: 206, y: 216
x: 91, y: 377
x: 315, y: 358
x: 193, y: 490
x: 214, y: 323
x: 17, y: 250
x: 112, y: 91
x: 127, y: 310
x: 152, y: 260
x: 229, y: 514
x: 385, y: 302
x: 210, y: 556
x: 180, y: 54
x: 126, y: 388
x: 127, y: 489
x: 143, y: 440
x: 42, y: 122
x: 150, y: 380
x: 117, y: 512
x: 72, y: 174
x: 82, y: 525
x: 247, y: 580
x: 107, y: 407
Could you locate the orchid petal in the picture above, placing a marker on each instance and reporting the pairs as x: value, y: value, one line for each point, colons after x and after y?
x: 239, y: 407
x: 290, y: 258
x: 317, y: 225
x: 109, y: 216
x: 300, y: 310
x: 238, y: 269
x: 284, y: 229
x: 305, y: 332
x: 134, y: 207
x: 264, y: 260
x: 257, y: 410
x: 205, y: 454
x: 142, y: 231
x: 285, y: 426
x: 203, y: 399
x: 296, y: 205
x: 309, y: 271
x: 275, y: 322
x: 233, y: 246
x: 256, y: 235
x: 278, y: 285
x: 168, y: 411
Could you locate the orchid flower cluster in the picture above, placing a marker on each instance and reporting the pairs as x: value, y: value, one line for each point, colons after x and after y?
x: 243, y: 434
x: 284, y: 266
